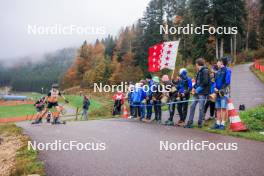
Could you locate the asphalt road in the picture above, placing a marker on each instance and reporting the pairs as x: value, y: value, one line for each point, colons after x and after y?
x: 133, y: 148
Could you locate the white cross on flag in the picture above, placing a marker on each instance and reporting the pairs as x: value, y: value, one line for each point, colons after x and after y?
x: 163, y: 55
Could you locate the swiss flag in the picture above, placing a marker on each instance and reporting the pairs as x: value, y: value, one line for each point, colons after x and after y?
x: 163, y: 55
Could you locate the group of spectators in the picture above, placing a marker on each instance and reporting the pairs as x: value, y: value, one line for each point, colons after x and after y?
x: 210, y: 88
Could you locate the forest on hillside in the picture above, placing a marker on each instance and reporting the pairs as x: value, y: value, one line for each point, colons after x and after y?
x: 28, y: 75
x: 124, y: 58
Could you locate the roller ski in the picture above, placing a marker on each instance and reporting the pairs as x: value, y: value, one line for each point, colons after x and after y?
x: 37, y: 121
x: 49, y: 116
x: 169, y: 123
x: 56, y: 121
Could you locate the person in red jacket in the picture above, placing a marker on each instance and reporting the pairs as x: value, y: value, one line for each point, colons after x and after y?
x: 119, y: 99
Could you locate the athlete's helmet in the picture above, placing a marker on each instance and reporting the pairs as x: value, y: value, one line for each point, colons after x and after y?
x: 55, y: 85
x: 183, y: 71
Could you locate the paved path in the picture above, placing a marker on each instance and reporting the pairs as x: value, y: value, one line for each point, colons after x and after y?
x: 133, y: 148
x: 246, y: 87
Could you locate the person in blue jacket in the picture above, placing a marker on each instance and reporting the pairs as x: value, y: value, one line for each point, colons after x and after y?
x: 149, y: 102
x: 138, y: 96
x: 222, y: 89
x: 210, y: 103
x: 130, y: 99
x: 184, y: 88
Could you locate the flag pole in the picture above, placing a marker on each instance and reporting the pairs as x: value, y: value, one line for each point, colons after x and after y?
x: 173, y: 72
x: 172, y: 75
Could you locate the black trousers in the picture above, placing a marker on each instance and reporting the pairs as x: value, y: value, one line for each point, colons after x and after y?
x: 157, y: 109
x: 210, y: 104
x: 149, y: 109
x: 183, y: 108
x: 117, y: 107
x: 132, y: 108
x: 172, y: 109
x: 137, y: 110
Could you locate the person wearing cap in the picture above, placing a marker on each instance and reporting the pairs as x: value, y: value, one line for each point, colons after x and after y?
x: 200, y: 90
x: 157, y: 95
x: 222, y: 89
x: 184, y: 88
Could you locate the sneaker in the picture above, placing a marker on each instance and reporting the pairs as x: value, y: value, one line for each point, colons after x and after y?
x: 211, y: 117
x: 153, y: 120
x: 221, y: 127
x: 180, y: 123
x: 188, y: 125
x: 158, y: 121
x: 215, y: 127
x: 144, y: 120
x: 169, y: 123
x: 57, y: 122
x: 37, y: 121
x: 200, y: 125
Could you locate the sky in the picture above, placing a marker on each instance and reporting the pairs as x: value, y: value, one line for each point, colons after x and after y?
x: 31, y: 27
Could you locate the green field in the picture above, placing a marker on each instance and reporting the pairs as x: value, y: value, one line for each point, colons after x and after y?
x: 77, y: 101
x: 100, y: 107
x: 16, y: 111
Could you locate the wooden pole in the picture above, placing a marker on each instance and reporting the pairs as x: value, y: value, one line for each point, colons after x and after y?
x: 76, y: 115
x: 172, y: 75
x: 173, y: 72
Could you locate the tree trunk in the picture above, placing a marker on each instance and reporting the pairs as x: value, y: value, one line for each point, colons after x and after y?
x: 222, y: 48
x: 247, y: 35
x: 231, y: 45
x: 235, y: 48
x: 216, y: 48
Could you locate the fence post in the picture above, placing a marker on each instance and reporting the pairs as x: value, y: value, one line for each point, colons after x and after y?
x: 76, y: 115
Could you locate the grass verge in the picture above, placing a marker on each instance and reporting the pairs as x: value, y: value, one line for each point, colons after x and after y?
x: 254, y: 120
x: 16, y: 111
x: 26, y: 161
x: 258, y: 73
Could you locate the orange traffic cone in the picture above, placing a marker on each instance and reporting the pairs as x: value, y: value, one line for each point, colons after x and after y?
x: 125, y: 112
x: 235, y: 121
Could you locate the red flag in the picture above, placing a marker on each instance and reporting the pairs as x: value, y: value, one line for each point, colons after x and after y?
x: 154, y: 57
x: 162, y: 56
